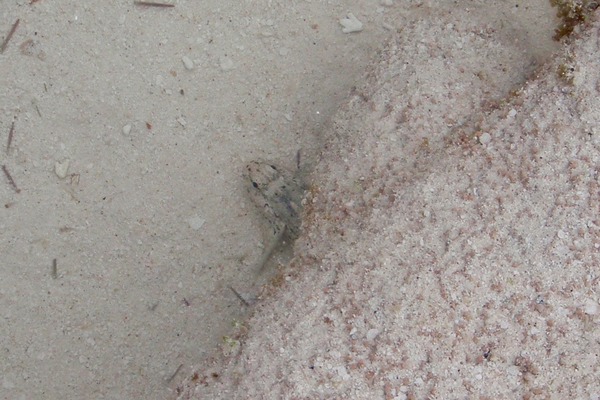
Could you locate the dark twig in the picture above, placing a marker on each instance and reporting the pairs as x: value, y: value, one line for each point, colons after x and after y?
x: 54, y: 270
x: 175, y: 373
x: 240, y: 297
x: 152, y: 4
x: 298, y: 159
x: 10, y: 179
x: 10, y: 35
x: 10, y: 136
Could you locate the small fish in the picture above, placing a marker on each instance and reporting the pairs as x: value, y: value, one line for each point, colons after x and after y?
x: 278, y: 194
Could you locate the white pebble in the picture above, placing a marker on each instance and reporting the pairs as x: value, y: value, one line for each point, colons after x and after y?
x: 372, y: 334
x: 61, y: 168
x: 388, y: 27
x: 127, y: 129
x: 485, y: 138
x: 590, y: 307
x: 187, y: 63
x: 196, y: 222
x: 351, y: 24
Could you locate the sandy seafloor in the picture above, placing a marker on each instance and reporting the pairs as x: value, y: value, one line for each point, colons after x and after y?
x: 450, y: 246
x: 150, y: 224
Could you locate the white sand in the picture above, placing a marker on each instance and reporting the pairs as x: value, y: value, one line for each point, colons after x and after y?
x: 150, y: 225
